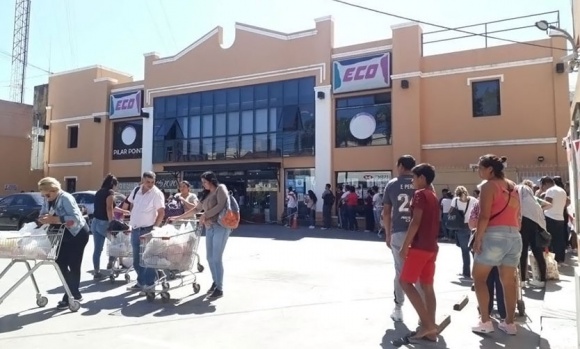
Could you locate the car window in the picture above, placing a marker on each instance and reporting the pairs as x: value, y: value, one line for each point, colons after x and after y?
x: 19, y: 200
x: 6, y: 201
x: 84, y: 199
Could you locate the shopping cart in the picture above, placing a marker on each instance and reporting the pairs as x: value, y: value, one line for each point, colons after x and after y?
x: 172, y: 274
x: 119, y: 247
x: 41, y: 248
x: 520, y: 304
x: 177, y: 253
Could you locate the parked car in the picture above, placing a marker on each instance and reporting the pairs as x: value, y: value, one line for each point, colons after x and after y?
x: 86, y: 201
x: 18, y: 209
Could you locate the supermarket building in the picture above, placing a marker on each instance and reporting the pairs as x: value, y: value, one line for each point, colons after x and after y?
x: 300, y: 112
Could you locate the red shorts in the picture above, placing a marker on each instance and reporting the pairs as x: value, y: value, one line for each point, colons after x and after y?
x: 419, y: 266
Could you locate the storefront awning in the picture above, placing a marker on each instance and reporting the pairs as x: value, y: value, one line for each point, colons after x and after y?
x: 225, y: 167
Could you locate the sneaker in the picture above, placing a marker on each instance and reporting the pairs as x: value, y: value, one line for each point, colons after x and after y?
x: 323, y: 228
x: 510, y: 329
x: 397, y: 315
x: 109, y: 265
x: 483, y: 327
x: 62, y: 305
x: 538, y: 284
x: 98, y: 276
x: 311, y: 227
x: 211, y: 289
x: 135, y: 287
x: 522, y: 284
x: 217, y: 293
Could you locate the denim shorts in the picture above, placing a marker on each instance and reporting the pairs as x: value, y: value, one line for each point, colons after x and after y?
x: 501, y: 245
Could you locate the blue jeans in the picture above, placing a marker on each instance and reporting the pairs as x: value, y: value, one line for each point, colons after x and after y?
x: 145, y: 276
x: 494, y: 286
x: 216, y: 238
x: 99, y: 230
x: 463, y: 242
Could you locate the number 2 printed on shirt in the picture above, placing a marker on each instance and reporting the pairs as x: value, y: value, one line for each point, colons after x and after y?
x: 404, y: 201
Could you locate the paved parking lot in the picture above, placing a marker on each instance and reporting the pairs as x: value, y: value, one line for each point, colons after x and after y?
x: 283, y: 289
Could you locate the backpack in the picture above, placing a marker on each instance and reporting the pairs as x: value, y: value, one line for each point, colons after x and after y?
x: 329, y: 199
x: 174, y: 207
x: 230, y: 216
x: 456, y: 217
x: 129, y: 204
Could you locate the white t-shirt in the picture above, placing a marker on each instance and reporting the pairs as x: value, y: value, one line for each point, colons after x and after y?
x: 461, y: 206
x: 558, y: 196
x: 445, y: 205
x: 145, y: 206
x: 292, y: 201
x: 378, y: 201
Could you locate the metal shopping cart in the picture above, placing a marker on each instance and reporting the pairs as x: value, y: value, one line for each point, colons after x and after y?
x: 119, y: 247
x: 41, y: 248
x: 177, y: 254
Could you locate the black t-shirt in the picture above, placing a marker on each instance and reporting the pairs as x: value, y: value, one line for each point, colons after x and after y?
x: 101, y: 203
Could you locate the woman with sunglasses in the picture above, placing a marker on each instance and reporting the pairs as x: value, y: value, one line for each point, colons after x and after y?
x: 60, y: 207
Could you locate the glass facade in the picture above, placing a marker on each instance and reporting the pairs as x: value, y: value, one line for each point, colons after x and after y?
x: 266, y: 120
x: 363, y: 181
x: 363, y: 120
x: 301, y: 180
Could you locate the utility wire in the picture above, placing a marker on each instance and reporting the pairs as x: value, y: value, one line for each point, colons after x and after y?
x: 444, y: 27
x: 29, y: 64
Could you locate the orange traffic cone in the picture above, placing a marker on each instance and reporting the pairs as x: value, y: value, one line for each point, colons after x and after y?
x: 294, y: 222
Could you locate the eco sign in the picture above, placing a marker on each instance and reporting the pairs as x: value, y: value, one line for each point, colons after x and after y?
x: 125, y: 105
x: 365, y: 73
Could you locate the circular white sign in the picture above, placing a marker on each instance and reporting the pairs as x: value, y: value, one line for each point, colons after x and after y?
x: 129, y: 135
x: 362, y: 125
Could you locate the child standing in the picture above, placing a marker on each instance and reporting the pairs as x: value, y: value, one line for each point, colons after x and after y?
x: 419, y: 251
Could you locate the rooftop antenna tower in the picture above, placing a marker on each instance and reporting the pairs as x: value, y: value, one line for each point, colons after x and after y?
x: 20, y: 50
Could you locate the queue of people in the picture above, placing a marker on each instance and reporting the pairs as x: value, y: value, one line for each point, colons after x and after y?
x: 495, y: 227
x: 147, y: 208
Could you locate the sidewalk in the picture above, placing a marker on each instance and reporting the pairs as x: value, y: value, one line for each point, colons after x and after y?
x: 559, y: 329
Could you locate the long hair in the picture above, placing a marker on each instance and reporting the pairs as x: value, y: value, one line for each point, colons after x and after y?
x: 109, y: 182
x: 312, y: 196
x: 210, y: 177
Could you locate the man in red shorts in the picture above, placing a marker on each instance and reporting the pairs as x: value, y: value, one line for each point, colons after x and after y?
x: 419, y: 251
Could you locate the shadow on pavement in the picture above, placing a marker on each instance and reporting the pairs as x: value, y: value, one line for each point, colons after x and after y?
x: 500, y: 340
x: 173, y: 307
x: 17, y: 321
x: 113, y: 303
x: 277, y: 232
x: 90, y: 286
x: 400, y: 331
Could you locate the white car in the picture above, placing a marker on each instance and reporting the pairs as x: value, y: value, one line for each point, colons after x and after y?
x: 86, y: 201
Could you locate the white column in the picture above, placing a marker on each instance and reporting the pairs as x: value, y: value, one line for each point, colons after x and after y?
x: 323, y: 140
x: 147, y: 151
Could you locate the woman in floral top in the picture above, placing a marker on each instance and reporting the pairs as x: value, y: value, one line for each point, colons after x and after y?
x: 493, y: 280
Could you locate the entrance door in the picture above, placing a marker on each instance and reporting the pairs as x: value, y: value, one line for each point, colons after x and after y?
x: 71, y: 184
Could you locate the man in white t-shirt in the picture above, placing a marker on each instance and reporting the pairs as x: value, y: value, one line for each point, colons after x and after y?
x: 378, y: 208
x: 291, y: 205
x: 555, y: 222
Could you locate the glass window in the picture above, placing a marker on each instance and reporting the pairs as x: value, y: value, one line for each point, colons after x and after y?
x: 300, y: 180
x: 162, y: 129
x: 276, y: 93
x: 194, y: 149
x: 207, y: 102
x: 360, y: 124
x: 207, y: 148
x: 261, y: 120
x: 247, y: 121
x: 261, y: 143
x: 181, y: 128
x: 234, y: 99
x: 220, y: 148
x: 233, y: 147
x: 220, y: 124
x: 486, y: 98
x: 247, y: 97
x: 233, y: 123
x: 261, y: 96
x: 273, y: 119
x: 306, y: 90
x: 195, y: 104
x: 307, y: 116
x: 363, y: 180
x: 246, y: 146
x: 195, y: 127
x: 158, y: 155
x: 291, y: 119
x: 182, y: 105
x: 207, y: 126
x: 290, y: 92
x: 289, y: 143
x: 272, y: 145
x: 219, y: 100
x: 171, y: 107
x: 159, y: 107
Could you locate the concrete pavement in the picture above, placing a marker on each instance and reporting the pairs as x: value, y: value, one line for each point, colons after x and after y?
x: 284, y: 289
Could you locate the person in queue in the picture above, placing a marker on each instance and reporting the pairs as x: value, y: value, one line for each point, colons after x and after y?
x: 497, y: 241
x: 188, y: 202
x: 147, y: 212
x: 213, y: 201
x: 60, y: 207
x: 103, y: 214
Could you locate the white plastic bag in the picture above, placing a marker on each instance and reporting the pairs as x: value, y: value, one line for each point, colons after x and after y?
x: 552, y: 272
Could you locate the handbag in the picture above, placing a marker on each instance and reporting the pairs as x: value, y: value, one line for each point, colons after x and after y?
x: 456, y: 217
x: 543, y: 238
x: 472, y: 236
x: 229, y: 218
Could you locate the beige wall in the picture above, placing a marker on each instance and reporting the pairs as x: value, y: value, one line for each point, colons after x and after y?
x: 16, y: 148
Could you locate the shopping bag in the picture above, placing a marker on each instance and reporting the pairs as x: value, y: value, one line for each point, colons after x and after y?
x: 552, y: 272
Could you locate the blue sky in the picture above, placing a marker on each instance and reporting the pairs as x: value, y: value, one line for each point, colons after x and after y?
x: 69, y: 34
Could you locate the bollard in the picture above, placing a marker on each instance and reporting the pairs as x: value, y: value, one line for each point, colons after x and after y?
x: 461, y: 304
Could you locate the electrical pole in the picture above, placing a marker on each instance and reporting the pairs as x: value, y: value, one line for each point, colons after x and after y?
x: 20, y: 50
